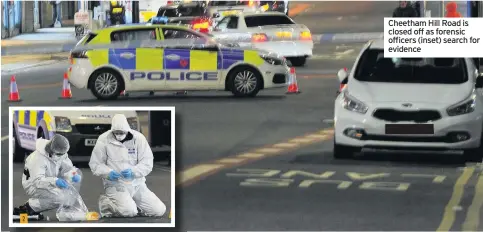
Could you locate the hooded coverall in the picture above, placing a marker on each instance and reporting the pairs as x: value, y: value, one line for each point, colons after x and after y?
x: 452, y: 10
x: 123, y: 198
x: 40, y: 174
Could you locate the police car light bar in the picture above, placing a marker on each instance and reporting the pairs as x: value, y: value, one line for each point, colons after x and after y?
x: 159, y: 20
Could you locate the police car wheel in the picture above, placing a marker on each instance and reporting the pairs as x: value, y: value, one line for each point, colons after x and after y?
x: 245, y: 82
x: 18, y: 152
x: 297, y: 61
x: 106, y: 85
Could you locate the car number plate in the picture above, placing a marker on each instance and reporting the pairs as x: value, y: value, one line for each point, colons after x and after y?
x: 409, y: 129
x: 284, y: 34
x: 90, y: 142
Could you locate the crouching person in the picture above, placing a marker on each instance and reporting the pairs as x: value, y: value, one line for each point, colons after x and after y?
x: 123, y: 158
x: 46, y: 174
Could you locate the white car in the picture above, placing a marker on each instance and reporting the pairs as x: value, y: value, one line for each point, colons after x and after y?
x: 416, y: 104
x: 220, y: 9
x: 270, y: 31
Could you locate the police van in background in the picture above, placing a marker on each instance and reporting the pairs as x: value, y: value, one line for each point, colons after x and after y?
x: 81, y: 129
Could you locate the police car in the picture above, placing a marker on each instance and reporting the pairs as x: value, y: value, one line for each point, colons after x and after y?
x: 107, y: 72
x: 81, y: 129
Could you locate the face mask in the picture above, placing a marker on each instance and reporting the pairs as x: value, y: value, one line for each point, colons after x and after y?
x: 120, y: 137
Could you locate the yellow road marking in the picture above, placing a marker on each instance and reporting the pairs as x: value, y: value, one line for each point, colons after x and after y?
x: 301, y: 140
x: 196, y: 171
x: 458, y: 190
x: 317, y: 136
x: 472, y: 220
x: 285, y: 145
x: 230, y: 160
x: 251, y: 155
x: 297, y: 9
x: 268, y: 150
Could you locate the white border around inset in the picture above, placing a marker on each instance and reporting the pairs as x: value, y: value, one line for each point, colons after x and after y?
x: 94, y: 225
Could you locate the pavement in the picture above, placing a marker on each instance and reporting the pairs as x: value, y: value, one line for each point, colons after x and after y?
x: 266, y: 163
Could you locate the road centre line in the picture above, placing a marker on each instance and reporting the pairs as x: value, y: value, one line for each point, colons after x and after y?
x: 473, y: 215
x: 456, y: 197
x: 198, y: 172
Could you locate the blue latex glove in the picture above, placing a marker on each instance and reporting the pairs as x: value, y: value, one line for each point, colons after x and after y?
x: 113, y: 175
x: 61, y: 183
x: 127, y: 174
x: 76, y: 178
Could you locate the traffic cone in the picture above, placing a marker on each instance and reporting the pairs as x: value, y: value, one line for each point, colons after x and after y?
x: 292, y: 84
x: 66, y: 92
x: 14, y: 95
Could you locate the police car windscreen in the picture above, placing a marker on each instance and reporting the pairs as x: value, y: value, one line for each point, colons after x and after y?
x: 267, y: 20
x: 373, y: 67
x: 227, y: 3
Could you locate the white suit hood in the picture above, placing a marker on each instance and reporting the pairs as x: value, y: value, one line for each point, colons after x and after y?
x: 119, y: 122
x: 40, y: 147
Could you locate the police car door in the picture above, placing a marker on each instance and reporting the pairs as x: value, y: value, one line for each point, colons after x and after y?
x: 141, y: 65
x: 188, y: 67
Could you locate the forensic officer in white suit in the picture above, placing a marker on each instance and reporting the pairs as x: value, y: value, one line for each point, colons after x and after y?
x: 123, y: 158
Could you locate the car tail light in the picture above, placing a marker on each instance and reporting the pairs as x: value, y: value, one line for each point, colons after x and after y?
x: 305, y: 35
x: 260, y: 37
x: 341, y: 87
x: 169, y: 2
x: 201, y: 24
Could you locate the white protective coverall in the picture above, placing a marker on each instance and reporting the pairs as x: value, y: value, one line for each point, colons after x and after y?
x: 43, y: 172
x: 122, y: 198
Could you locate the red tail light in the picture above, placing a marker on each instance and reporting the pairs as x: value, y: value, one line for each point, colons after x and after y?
x: 201, y: 24
x: 169, y: 2
x: 305, y: 35
x: 260, y: 37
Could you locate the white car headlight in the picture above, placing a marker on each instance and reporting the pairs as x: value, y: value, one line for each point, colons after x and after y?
x: 62, y: 124
x: 465, y: 107
x: 354, y: 105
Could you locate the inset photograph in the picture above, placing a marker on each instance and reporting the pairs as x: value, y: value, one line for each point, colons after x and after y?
x: 92, y: 166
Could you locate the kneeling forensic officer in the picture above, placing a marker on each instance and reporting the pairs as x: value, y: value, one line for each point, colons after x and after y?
x: 46, y: 175
x: 123, y: 158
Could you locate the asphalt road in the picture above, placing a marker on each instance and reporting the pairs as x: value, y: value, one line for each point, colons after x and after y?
x: 294, y: 183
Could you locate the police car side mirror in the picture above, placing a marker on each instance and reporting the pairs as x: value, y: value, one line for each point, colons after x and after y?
x: 342, y: 75
x: 479, y: 81
x: 216, y: 15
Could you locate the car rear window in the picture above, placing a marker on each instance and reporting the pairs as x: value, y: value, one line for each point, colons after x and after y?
x: 86, y: 39
x: 373, y: 67
x: 267, y: 20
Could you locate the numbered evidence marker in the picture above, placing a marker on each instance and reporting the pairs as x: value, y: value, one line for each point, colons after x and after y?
x: 24, y: 218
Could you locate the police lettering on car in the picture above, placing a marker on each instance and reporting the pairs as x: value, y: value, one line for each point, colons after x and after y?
x: 169, y: 76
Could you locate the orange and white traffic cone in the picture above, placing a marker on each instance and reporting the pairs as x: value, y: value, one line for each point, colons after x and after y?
x: 66, y: 92
x: 293, y: 87
x: 14, y: 95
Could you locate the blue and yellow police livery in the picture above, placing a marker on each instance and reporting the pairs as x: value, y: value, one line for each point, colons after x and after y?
x: 107, y: 72
x: 81, y: 128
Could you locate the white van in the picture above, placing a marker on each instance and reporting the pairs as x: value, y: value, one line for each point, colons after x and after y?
x: 414, y: 104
